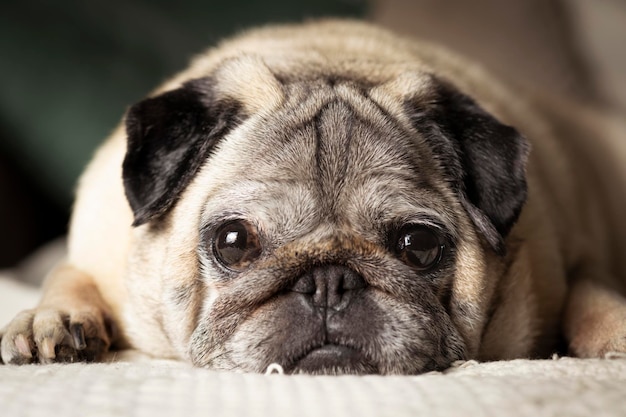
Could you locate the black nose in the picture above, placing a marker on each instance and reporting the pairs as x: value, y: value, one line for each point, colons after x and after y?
x: 329, y: 285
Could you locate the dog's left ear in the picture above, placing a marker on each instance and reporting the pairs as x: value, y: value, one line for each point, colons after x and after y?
x: 169, y: 137
x: 484, y: 159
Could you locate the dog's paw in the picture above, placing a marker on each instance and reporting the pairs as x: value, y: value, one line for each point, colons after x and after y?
x: 49, y: 335
x: 595, y: 320
x: 604, y: 348
x: 602, y: 340
x: 616, y: 347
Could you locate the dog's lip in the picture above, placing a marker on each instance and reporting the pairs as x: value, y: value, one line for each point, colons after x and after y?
x: 330, y: 356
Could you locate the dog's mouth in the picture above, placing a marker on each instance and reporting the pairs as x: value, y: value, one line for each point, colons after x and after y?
x: 333, y: 359
x: 327, y: 323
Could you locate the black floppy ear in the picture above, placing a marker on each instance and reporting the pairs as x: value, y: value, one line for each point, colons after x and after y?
x: 169, y: 137
x: 485, y: 159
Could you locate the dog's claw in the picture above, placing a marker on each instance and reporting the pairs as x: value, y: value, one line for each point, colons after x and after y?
x: 78, y: 335
x: 23, y: 346
x: 46, y: 348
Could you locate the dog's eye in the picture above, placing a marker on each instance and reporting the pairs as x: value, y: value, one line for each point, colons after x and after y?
x: 236, y: 244
x: 419, y: 246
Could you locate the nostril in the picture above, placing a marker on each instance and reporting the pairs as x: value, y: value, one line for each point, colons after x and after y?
x: 329, y: 285
x: 305, y: 284
x: 352, y: 281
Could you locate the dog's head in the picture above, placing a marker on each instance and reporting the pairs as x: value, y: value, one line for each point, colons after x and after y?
x: 324, y: 222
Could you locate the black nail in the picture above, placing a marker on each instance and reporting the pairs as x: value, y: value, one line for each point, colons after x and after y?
x: 78, y: 334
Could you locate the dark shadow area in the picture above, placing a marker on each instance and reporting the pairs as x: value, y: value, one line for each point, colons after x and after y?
x: 28, y: 217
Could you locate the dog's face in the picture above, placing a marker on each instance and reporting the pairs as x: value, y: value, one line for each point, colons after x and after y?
x: 328, y: 224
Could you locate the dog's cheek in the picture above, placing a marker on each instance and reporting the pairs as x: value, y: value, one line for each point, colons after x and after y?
x: 214, y: 325
x: 474, y: 283
x: 144, y: 311
x: 416, y: 337
x: 276, y: 332
x: 182, y: 305
x: 164, y: 292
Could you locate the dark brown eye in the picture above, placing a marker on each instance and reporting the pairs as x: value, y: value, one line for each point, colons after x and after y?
x: 236, y: 244
x: 419, y: 247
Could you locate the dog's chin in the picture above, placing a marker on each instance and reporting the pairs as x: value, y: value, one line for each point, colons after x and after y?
x: 333, y: 359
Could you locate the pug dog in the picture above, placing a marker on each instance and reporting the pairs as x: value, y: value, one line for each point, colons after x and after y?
x: 336, y: 199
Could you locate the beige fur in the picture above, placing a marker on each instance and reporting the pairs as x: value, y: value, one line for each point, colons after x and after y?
x: 566, y: 249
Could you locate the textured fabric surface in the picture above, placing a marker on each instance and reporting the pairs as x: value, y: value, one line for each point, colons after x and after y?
x: 131, y: 384
x: 565, y: 387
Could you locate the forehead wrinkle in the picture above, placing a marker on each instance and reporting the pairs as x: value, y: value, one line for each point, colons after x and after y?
x: 389, y: 174
x: 354, y: 146
x: 342, y: 130
x: 333, y: 127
